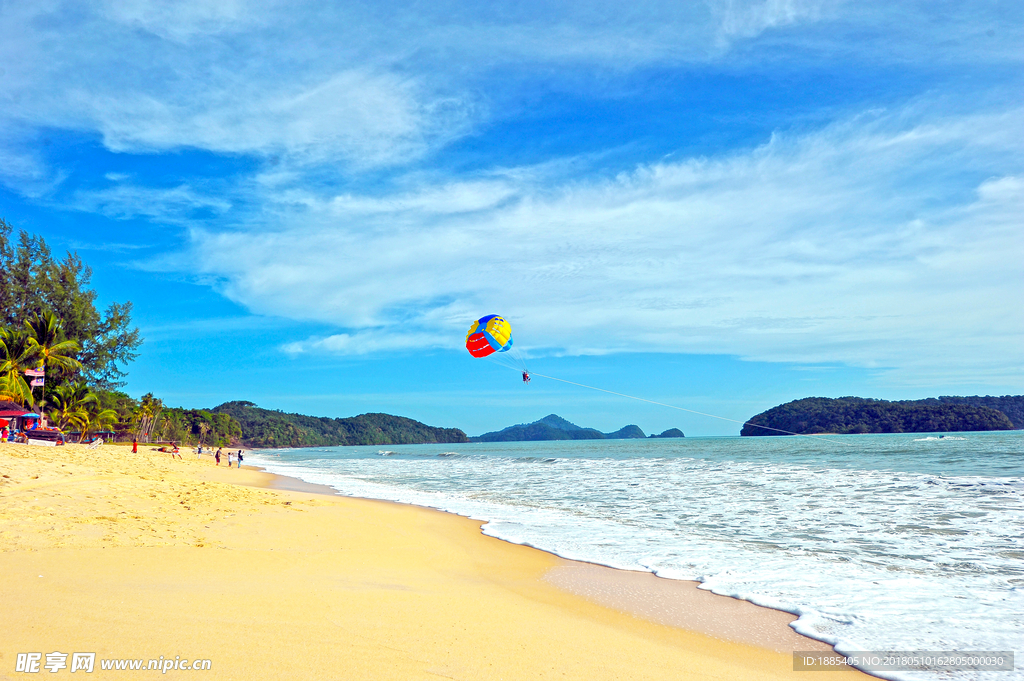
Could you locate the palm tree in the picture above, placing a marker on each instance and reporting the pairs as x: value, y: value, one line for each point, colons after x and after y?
x: 52, y: 349
x: 70, y: 406
x: 17, y: 354
x: 146, y: 416
x: 96, y: 417
x: 8, y: 391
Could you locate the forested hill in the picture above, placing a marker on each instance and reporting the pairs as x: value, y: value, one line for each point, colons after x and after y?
x: 554, y: 427
x: 1011, y: 405
x: 860, y: 415
x: 263, y: 428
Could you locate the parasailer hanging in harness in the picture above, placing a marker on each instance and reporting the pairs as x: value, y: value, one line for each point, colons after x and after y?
x: 526, y: 377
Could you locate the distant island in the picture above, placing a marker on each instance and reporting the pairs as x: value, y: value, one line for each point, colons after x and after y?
x: 554, y: 427
x: 847, y: 415
x: 264, y: 428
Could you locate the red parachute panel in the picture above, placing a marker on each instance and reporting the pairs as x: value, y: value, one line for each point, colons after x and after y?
x: 478, y: 345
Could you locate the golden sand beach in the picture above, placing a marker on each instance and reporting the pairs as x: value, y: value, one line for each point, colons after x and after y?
x: 141, y: 556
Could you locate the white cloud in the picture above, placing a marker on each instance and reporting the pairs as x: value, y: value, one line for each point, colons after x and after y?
x: 22, y: 167
x: 174, y: 204
x: 366, y: 118
x: 381, y: 85
x: 821, y: 248
x: 24, y: 172
x: 364, y: 343
x: 243, y: 78
x: 180, y: 20
x: 748, y: 19
x: 453, y: 197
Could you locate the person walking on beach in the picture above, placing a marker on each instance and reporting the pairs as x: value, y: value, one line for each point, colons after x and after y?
x: 217, y: 456
x: 135, y: 446
x: 239, y: 458
x: 231, y: 458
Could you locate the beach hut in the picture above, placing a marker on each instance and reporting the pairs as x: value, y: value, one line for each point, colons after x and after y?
x: 10, y: 409
x: 18, y: 418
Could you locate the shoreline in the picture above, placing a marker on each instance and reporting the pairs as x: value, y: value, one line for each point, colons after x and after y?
x: 145, y: 556
x: 636, y: 592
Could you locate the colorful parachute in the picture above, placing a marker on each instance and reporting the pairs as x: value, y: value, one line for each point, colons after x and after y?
x: 488, y: 335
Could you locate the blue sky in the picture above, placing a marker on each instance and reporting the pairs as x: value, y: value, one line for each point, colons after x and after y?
x: 720, y: 205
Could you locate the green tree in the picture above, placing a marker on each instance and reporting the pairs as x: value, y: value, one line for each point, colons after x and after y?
x: 97, y: 418
x: 147, y: 417
x: 32, y: 283
x: 121, y: 404
x: 176, y: 427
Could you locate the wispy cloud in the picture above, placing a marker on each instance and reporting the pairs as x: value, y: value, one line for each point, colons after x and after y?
x: 106, y: 247
x: 814, y: 248
x: 173, y: 204
x: 23, y: 168
x: 385, y: 85
x: 747, y: 19
x: 182, y: 20
x: 453, y: 197
x: 367, y: 342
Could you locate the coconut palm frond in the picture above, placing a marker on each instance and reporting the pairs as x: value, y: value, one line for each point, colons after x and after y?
x: 17, y: 354
x: 14, y: 390
x: 45, y: 333
x: 70, y: 406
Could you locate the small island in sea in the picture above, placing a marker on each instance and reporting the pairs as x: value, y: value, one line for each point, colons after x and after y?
x: 849, y: 415
x: 554, y: 427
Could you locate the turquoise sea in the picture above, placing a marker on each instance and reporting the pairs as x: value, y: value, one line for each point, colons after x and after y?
x: 877, y: 542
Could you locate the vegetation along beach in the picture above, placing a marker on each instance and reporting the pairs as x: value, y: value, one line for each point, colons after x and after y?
x: 480, y: 341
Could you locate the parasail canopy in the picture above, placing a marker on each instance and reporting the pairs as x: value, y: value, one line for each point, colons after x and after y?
x: 488, y: 335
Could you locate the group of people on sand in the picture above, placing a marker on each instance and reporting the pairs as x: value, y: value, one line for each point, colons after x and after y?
x: 232, y: 458
x: 174, y: 451
x: 7, y: 435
